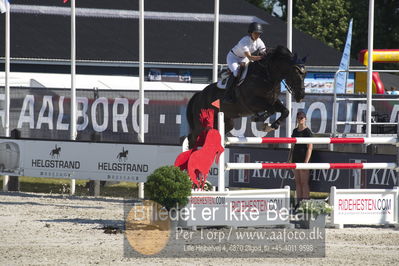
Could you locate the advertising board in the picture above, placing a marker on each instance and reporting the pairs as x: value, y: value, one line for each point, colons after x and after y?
x: 364, y: 206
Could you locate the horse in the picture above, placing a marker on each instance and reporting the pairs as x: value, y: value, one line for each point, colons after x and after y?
x: 258, y: 93
x: 123, y: 154
x: 55, y: 153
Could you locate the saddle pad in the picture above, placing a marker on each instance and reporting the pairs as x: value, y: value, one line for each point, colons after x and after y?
x: 221, y: 84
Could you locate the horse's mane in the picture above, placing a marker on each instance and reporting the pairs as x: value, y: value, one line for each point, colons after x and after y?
x: 279, y: 53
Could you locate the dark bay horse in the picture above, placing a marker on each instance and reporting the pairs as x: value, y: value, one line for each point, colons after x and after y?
x: 258, y: 93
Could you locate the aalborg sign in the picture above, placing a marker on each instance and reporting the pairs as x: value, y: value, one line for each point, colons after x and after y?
x: 83, y: 160
x: 45, y: 113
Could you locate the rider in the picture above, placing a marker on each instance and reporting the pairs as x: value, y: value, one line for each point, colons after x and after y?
x: 241, y: 54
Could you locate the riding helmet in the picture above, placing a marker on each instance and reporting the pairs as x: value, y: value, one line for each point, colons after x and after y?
x: 255, y: 27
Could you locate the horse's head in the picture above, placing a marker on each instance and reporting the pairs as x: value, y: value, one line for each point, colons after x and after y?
x: 286, y: 66
x: 295, y: 81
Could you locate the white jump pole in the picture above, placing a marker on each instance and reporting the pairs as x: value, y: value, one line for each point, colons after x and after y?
x: 221, y: 184
x: 309, y: 166
x: 73, y: 130
x: 370, y: 67
x: 288, y: 97
x: 141, y: 84
x: 397, y: 152
x: 258, y: 140
x: 6, y: 178
x: 215, y: 43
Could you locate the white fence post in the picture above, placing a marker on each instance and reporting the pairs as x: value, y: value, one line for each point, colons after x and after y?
x: 221, y: 183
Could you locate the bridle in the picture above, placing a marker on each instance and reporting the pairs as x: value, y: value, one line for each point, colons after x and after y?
x: 299, y: 67
x: 301, y: 70
x: 289, y: 89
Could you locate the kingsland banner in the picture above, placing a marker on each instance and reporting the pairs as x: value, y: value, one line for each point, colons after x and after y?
x: 320, y: 180
x: 113, y: 115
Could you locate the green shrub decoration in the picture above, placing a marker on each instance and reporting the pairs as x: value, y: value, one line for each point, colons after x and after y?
x: 315, y: 207
x: 169, y: 186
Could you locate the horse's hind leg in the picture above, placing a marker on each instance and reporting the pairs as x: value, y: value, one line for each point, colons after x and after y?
x: 228, y: 125
x: 191, y: 140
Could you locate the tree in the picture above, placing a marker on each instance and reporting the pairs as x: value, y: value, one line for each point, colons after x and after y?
x: 386, y: 23
x: 269, y: 5
x: 326, y: 20
x: 261, y: 4
x: 386, y: 26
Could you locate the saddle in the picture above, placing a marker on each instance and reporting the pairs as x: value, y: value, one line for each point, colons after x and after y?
x: 242, y: 74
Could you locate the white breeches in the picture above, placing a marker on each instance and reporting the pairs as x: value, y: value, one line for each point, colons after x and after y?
x: 234, y: 61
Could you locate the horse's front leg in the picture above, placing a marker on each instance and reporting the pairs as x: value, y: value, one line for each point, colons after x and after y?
x: 279, y: 108
x: 262, y: 116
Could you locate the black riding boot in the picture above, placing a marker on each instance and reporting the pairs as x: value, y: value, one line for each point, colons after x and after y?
x: 229, y: 95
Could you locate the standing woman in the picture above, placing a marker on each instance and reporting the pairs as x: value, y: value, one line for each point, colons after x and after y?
x: 301, y: 154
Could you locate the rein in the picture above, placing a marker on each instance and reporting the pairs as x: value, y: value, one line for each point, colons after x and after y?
x: 289, y: 89
x: 267, y: 75
x: 301, y: 70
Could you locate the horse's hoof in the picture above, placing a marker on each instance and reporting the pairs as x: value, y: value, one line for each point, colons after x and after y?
x: 267, y: 128
x: 275, y: 126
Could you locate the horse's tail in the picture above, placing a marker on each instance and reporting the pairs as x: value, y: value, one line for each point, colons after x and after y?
x: 190, y: 112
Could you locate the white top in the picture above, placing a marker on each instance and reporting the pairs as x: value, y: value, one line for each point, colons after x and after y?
x: 246, y: 44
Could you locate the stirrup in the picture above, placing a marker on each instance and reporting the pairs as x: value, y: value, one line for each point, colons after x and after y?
x: 225, y: 75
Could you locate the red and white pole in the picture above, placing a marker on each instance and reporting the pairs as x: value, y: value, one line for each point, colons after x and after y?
x: 258, y: 140
x: 232, y: 166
